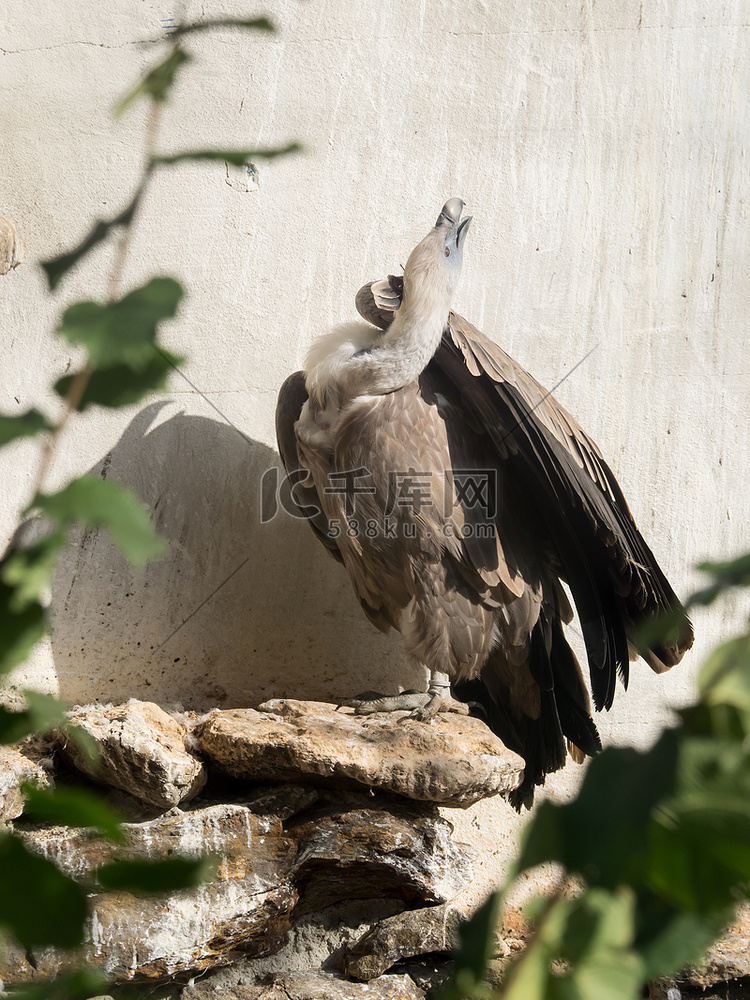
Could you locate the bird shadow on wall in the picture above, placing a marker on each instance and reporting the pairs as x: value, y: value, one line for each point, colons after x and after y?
x: 246, y: 605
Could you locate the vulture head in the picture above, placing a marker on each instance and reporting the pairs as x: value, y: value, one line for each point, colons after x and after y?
x: 434, y: 265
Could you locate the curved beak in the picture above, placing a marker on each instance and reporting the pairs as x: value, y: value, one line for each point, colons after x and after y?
x: 451, y: 212
x: 450, y: 216
x: 463, y: 228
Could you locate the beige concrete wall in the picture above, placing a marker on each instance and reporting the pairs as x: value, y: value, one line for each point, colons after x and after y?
x: 601, y: 146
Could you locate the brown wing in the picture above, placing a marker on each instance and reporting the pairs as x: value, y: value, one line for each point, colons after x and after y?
x: 304, y: 495
x: 614, y: 577
x: 487, y: 604
x: 482, y: 356
x: 301, y: 490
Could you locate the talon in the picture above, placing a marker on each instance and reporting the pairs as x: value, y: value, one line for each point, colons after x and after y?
x: 422, y: 706
x: 405, y: 702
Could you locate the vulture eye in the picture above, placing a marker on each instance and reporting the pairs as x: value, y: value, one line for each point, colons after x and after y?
x: 447, y: 252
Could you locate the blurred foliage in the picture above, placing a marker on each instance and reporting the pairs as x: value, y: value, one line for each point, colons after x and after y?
x: 73, y: 807
x: 76, y: 986
x: 58, y: 267
x: 653, y: 852
x: 42, y: 713
x: 98, y: 503
x: 235, y: 157
x: 40, y: 905
x: 155, y: 876
x: 25, y: 425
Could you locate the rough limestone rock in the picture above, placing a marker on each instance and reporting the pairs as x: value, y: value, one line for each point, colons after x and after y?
x: 416, y: 932
x: 243, y: 910
x: 454, y: 760
x: 314, y: 986
x: 270, y: 870
x: 729, y: 957
x: 428, y: 972
x: 141, y: 751
x: 315, y: 872
x: 373, y: 851
x: 316, y: 941
x: 15, y: 770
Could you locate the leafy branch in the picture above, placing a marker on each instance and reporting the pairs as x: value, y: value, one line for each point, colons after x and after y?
x: 40, y: 905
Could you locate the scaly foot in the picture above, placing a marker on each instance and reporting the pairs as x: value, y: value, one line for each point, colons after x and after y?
x: 421, y: 705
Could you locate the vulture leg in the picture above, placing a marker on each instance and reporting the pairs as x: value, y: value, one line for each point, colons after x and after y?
x: 421, y: 705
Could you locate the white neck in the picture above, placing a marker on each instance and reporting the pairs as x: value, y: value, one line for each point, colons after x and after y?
x: 405, y: 350
x: 356, y: 360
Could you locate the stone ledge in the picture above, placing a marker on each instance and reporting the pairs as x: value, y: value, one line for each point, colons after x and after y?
x: 141, y: 750
x: 454, y: 760
x: 342, y: 809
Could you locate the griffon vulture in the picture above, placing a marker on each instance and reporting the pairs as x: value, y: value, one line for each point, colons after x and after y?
x: 459, y: 495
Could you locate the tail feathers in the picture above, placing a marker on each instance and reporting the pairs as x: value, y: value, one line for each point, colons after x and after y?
x: 539, y: 741
x: 573, y: 705
x: 666, y: 651
x: 564, y: 719
x: 604, y: 633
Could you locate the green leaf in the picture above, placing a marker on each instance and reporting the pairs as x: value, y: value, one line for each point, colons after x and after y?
x: 73, y: 807
x: 83, y: 740
x: 729, y: 574
x: 699, y: 842
x: 24, y: 425
x: 157, y: 82
x: 612, y: 975
x: 478, y: 934
x: 166, y: 875
x: 43, y: 712
x: 668, y: 940
x: 732, y: 572
x: 39, y: 905
x: 529, y: 977
x: 29, y: 570
x: 20, y: 629
x: 597, y: 921
x: 662, y: 630
x: 77, y: 986
x: 56, y: 267
x: 477, y: 937
x: 256, y: 23
x: 602, y: 833
x: 98, y: 503
x: 123, y: 385
x: 725, y: 676
x: 237, y: 157
x: 722, y: 722
x: 122, y: 332
x: 582, y: 948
